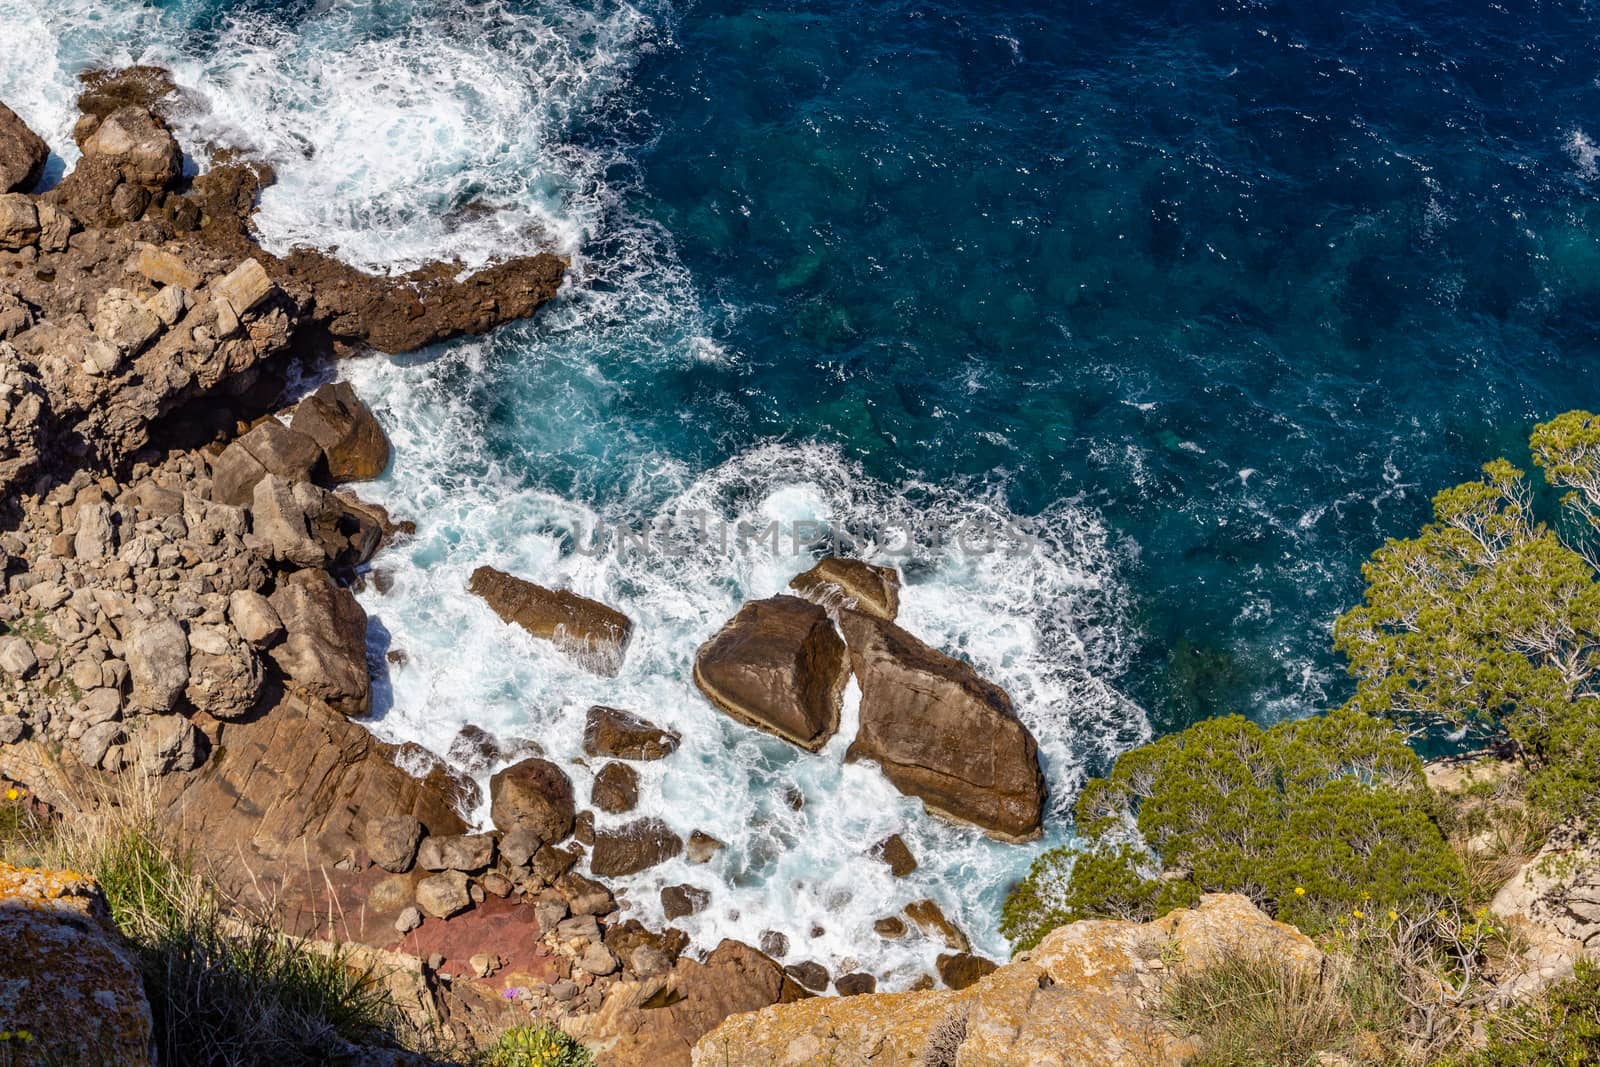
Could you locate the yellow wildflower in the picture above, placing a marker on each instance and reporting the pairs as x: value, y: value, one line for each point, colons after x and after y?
x: 1394, y: 916
x: 12, y: 794
x: 1357, y: 914
x: 1299, y: 890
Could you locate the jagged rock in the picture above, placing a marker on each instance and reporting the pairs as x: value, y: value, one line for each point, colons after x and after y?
x: 962, y: 969
x: 638, y: 846
x: 598, y: 960
x: 702, y: 847
x: 855, y: 985
x: 836, y: 582
x: 778, y: 666
x: 550, y: 864
x: 891, y: 927
x: 67, y: 977
x: 774, y: 944
x: 810, y: 974
x: 444, y: 895
x: 930, y: 919
x: 278, y: 515
x: 19, y: 222
x: 894, y: 851
x: 96, y: 742
x: 244, y: 288
x: 225, y: 677
x: 22, y: 154
x: 457, y: 852
x: 392, y: 841
x: 158, y: 663
x: 139, y: 146
x: 16, y: 656
x: 268, y: 448
x: 254, y: 618
x: 12, y: 729
x: 122, y: 320
x: 624, y: 735
x: 165, y: 269
x: 169, y: 304
x: 534, y: 795
x: 616, y: 788
x: 96, y: 537
x: 1077, y: 1000
x: 593, y: 634
x: 678, y: 901
x: 943, y: 733
x: 55, y: 228
x: 353, y: 444
x: 167, y: 743
x: 324, y: 652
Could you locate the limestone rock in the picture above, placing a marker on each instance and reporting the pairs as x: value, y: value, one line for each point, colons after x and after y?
x: 96, y: 743
x: 122, y: 320
x: 624, y: 735
x: 139, y: 146
x: 158, y: 663
x: 778, y: 666
x: 278, y: 515
x: 96, y: 537
x: 353, y: 444
x: 12, y: 729
x: 533, y: 795
x: 836, y: 582
x: 408, y: 920
x: 268, y: 448
x: 616, y: 788
x: 590, y: 632
x: 225, y: 675
x: 392, y: 841
x: 638, y: 846
x: 19, y: 222
x: 16, y: 656
x: 66, y: 962
x: 444, y: 895
x: 1078, y: 1000
x: 55, y: 228
x: 456, y: 852
x: 1553, y: 903
x: 244, y: 288
x: 325, y: 651
x: 168, y: 743
x: 165, y: 269
x: 942, y: 732
x: 254, y: 618
x: 22, y: 154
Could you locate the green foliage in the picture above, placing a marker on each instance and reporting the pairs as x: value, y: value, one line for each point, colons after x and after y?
x: 1312, y: 819
x: 1490, y: 620
x: 542, y: 1046
x: 1562, y: 1029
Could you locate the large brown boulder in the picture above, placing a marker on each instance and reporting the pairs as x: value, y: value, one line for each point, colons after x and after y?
x: 268, y: 448
x: 324, y: 652
x: 22, y: 154
x: 139, y: 145
x: 779, y: 666
x: 353, y: 444
x: 624, y: 735
x: 1082, y: 998
x: 533, y: 795
x: 657, y: 1020
x: 942, y: 732
x: 590, y: 632
x: 638, y: 846
x: 837, y: 582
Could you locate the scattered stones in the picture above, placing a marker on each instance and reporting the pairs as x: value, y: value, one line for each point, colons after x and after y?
x: 122, y: 321
x: 534, y: 795
x: 836, y: 582
x: 457, y: 852
x: 624, y: 735
x: 593, y: 634
x: 638, y: 846
x: 616, y: 788
x: 779, y: 666
x: 444, y: 895
x: 392, y: 841
x: 678, y: 901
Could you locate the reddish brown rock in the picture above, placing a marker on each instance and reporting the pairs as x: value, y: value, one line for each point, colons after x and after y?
x: 638, y: 846
x: 616, y: 788
x: 942, y: 732
x: 22, y: 154
x: 533, y: 795
x: 836, y: 582
x: 588, y: 631
x: 354, y: 446
x: 624, y: 735
x: 778, y: 666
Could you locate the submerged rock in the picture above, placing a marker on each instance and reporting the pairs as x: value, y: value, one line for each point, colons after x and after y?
x: 942, y: 732
x: 590, y: 632
x: 836, y: 582
x: 779, y: 666
x: 624, y: 735
x: 636, y: 847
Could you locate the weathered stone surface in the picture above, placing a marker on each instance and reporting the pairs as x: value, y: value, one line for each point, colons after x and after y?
x: 325, y: 651
x: 444, y: 895
x: 165, y: 269
x: 244, y: 288
x: 629, y: 849
x: 167, y: 743
x: 590, y: 632
x: 456, y: 852
x: 22, y: 154
x: 616, y: 788
x: 942, y: 732
x: 158, y: 663
x: 678, y: 901
x: 19, y: 222
x: 139, y: 146
x: 657, y: 1020
x: 392, y: 841
x: 268, y: 448
x: 855, y: 985
x: 894, y: 851
x: 278, y: 515
x: 1078, y: 1000
x: 65, y: 961
x: 959, y: 970
x: 122, y: 321
x: 836, y: 582
x: 533, y: 795
x: 810, y: 974
x: 16, y: 656
x: 624, y: 735
x: 354, y: 446
x: 225, y: 675
x: 254, y: 617
x: 12, y: 729
x: 1552, y: 903
x: 778, y: 666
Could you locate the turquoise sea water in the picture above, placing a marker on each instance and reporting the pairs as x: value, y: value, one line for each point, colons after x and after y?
x: 1213, y: 295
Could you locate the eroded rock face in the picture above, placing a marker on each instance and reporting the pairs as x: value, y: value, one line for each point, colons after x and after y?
x: 1553, y: 903
x: 836, y: 582
x: 778, y: 666
x: 22, y: 154
x: 942, y: 732
x: 1083, y: 998
x: 64, y: 962
x: 590, y: 632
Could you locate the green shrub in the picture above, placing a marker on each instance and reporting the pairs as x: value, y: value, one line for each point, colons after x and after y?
x: 541, y: 1046
x: 1312, y: 820
x: 1560, y: 1029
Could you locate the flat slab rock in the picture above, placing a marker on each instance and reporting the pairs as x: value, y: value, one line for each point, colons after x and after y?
x: 593, y: 634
